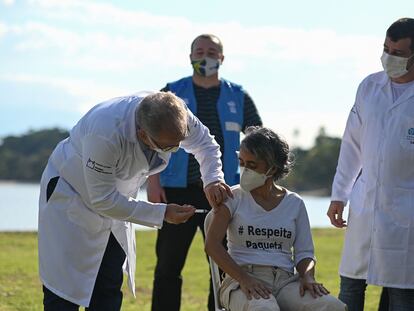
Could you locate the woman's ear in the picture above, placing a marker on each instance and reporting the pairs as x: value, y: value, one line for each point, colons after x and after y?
x: 273, y: 171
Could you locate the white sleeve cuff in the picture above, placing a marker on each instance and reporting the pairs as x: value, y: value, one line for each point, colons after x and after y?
x: 148, y: 214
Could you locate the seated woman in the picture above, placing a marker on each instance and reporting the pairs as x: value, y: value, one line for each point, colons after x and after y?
x: 268, y: 236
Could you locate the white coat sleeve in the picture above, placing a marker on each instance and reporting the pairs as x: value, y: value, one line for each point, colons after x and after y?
x: 349, y: 162
x: 205, y: 149
x: 99, y: 157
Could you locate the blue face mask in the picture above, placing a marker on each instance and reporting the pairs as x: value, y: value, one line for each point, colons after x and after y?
x: 206, y: 66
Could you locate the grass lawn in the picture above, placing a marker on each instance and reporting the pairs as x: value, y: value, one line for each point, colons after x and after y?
x: 20, y: 288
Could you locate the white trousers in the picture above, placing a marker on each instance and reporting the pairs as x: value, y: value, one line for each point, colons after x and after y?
x: 285, y: 294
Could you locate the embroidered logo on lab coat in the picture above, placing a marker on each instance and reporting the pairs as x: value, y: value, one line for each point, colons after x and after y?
x: 410, y: 136
x: 100, y: 168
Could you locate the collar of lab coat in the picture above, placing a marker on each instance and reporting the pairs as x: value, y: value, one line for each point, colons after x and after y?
x: 130, y: 126
x: 385, y: 83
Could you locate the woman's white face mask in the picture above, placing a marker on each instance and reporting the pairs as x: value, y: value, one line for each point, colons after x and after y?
x: 250, y: 179
x: 394, y: 66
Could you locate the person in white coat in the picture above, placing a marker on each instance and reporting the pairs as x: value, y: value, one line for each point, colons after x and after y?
x: 87, y: 198
x: 375, y: 173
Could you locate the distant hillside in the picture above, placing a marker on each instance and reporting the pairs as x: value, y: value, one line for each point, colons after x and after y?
x: 23, y: 158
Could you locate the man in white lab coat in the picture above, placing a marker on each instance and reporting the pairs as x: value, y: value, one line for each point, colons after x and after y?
x: 88, y: 190
x: 376, y: 174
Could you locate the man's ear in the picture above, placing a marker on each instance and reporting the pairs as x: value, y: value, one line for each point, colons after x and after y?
x: 142, y: 136
x: 221, y: 59
x: 410, y: 64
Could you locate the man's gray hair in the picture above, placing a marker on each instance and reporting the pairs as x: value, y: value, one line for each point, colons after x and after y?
x: 162, y: 112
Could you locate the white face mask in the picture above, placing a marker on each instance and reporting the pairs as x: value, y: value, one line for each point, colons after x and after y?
x: 394, y: 66
x: 206, y: 66
x: 250, y: 179
x: 168, y: 149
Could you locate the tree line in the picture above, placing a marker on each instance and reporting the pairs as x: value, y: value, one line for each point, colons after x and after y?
x: 314, y: 168
x: 23, y: 158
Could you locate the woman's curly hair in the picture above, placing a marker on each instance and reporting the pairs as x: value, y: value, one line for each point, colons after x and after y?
x: 268, y: 146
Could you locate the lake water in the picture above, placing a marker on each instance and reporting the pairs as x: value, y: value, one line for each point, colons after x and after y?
x: 19, y: 205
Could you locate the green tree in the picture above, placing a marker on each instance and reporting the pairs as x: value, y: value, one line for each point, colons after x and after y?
x: 315, y: 168
x: 24, y: 157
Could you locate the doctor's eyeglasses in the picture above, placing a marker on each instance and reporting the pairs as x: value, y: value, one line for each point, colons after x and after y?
x: 163, y: 149
x: 168, y: 148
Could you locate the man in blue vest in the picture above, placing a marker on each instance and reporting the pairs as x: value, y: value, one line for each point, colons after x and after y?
x: 226, y: 109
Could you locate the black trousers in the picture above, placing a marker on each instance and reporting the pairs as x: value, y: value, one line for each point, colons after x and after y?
x: 173, y: 243
x: 107, y: 294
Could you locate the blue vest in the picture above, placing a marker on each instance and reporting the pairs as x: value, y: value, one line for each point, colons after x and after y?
x: 230, y: 111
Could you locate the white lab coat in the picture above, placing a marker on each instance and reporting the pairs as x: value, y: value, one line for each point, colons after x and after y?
x: 378, y: 142
x: 101, y: 167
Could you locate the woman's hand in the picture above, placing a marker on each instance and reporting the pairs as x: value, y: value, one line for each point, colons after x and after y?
x: 253, y: 287
x: 315, y: 289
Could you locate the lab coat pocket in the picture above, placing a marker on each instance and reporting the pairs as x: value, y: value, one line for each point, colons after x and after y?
x: 356, y: 201
x: 82, y: 216
x: 402, y: 208
x: 227, y: 287
x: 406, y: 133
x: 76, y: 210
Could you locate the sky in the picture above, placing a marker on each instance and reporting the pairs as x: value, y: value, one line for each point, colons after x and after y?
x: 301, y: 61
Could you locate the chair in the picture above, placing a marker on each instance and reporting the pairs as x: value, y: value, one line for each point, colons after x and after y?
x: 214, y: 270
